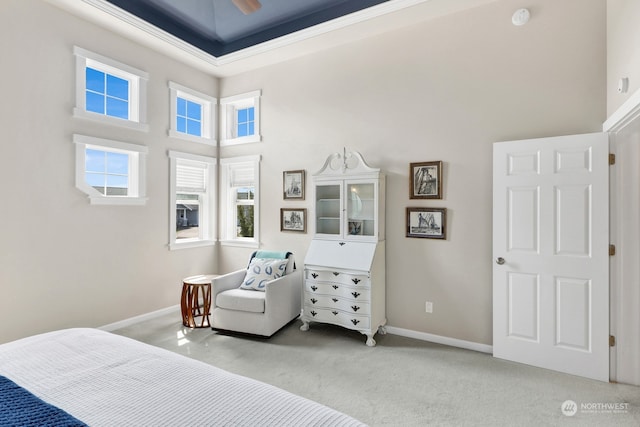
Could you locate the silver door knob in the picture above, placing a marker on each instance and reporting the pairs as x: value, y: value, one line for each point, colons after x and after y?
x: 499, y: 260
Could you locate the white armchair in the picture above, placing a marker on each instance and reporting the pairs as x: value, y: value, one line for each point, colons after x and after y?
x: 236, y: 307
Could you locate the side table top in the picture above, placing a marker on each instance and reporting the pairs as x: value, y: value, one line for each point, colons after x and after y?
x: 201, y: 279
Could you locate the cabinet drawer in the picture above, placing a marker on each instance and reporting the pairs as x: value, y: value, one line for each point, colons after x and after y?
x: 338, y: 317
x: 337, y: 290
x: 338, y: 277
x: 337, y: 303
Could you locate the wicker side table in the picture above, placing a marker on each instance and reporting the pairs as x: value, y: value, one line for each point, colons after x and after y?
x: 193, y: 288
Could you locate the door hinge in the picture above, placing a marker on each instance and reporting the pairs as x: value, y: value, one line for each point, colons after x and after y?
x: 612, y: 250
x: 612, y: 159
x: 612, y: 341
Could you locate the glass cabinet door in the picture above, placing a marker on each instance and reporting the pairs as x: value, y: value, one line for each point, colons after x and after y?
x: 361, y: 209
x: 328, y: 209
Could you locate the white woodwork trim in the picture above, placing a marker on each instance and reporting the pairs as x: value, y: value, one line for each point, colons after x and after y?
x: 335, y: 24
x: 452, y: 342
x: 623, y: 126
x: 141, y: 318
x: 110, y: 16
x: 319, y: 29
x: 627, y: 113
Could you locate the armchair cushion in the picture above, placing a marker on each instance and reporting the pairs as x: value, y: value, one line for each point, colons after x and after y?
x: 261, y: 271
x: 241, y: 300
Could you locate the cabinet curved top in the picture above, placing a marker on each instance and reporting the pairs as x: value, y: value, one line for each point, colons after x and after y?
x: 347, y: 162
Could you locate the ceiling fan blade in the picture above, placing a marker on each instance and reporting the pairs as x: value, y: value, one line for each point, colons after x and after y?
x: 247, y: 6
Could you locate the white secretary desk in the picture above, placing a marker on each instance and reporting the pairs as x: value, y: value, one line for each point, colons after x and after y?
x: 344, y: 274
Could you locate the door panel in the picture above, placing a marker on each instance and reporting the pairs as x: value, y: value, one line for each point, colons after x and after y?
x: 551, y: 231
x: 573, y: 219
x: 523, y: 217
x: 524, y: 309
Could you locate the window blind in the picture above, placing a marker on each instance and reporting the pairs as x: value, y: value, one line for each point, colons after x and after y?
x: 191, y: 178
x: 242, y: 175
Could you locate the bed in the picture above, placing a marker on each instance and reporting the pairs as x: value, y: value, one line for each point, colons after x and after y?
x: 103, y: 379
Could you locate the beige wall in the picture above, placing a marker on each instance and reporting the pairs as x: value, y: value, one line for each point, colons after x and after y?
x: 443, y: 90
x: 623, y: 50
x: 63, y: 262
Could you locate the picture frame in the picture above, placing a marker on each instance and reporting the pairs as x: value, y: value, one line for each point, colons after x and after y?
x: 293, y: 219
x: 425, y: 180
x: 293, y: 185
x: 356, y: 227
x: 429, y: 223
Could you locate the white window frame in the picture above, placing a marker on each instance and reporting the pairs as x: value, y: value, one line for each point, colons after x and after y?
x: 228, y: 221
x: 136, y: 194
x: 207, y: 215
x: 137, y: 89
x: 208, y: 104
x: 228, y: 117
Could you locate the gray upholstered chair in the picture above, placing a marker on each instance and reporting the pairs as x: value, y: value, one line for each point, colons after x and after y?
x: 260, y: 299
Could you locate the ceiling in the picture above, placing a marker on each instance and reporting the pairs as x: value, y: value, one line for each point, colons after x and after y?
x: 215, y: 37
x: 218, y: 27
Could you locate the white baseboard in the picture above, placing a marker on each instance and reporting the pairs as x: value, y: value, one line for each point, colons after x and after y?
x: 453, y: 342
x: 133, y: 320
x: 423, y: 336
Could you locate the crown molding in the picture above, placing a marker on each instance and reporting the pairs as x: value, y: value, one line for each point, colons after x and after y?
x: 122, y: 22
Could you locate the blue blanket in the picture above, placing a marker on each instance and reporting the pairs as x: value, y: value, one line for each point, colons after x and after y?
x: 18, y: 407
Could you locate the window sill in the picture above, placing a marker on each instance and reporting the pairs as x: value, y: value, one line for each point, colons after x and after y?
x: 191, y: 244
x: 107, y: 120
x: 118, y: 201
x: 191, y: 138
x: 241, y: 243
x: 242, y: 140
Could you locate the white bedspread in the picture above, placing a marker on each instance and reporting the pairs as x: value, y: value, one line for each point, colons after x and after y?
x: 108, y: 380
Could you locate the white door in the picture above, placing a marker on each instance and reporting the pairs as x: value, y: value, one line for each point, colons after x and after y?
x: 551, y: 253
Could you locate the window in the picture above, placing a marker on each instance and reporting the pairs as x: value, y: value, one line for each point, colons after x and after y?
x: 110, y: 172
x: 240, y: 178
x: 240, y: 118
x: 192, y: 200
x: 109, y: 91
x: 192, y: 115
x: 246, y: 121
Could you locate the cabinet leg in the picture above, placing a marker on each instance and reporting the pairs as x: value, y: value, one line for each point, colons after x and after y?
x: 370, y: 341
x: 305, y: 326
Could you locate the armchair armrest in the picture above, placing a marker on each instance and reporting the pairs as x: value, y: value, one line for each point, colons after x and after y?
x: 227, y: 281
x: 284, y: 293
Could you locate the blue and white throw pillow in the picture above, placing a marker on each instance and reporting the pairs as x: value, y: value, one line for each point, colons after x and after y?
x: 261, y: 271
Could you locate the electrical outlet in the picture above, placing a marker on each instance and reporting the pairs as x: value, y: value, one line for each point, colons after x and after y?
x: 428, y: 307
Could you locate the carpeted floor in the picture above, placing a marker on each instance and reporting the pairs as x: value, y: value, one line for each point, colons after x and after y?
x: 401, y: 381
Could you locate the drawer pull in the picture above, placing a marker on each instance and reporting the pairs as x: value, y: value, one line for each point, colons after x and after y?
x: 342, y: 243
x: 314, y: 275
x: 336, y: 273
x: 355, y: 308
x: 335, y: 286
x: 335, y: 313
x: 335, y: 299
x: 355, y: 321
x: 313, y: 313
x: 355, y: 294
x: 313, y: 300
x: 356, y: 280
x: 314, y: 288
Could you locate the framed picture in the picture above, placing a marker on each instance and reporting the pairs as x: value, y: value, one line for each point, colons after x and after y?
x: 293, y: 185
x: 430, y: 223
x: 425, y: 180
x: 293, y: 220
x: 355, y: 228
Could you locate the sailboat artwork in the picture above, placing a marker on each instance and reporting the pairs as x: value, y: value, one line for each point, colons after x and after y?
x: 426, y: 222
x: 426, y: 180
